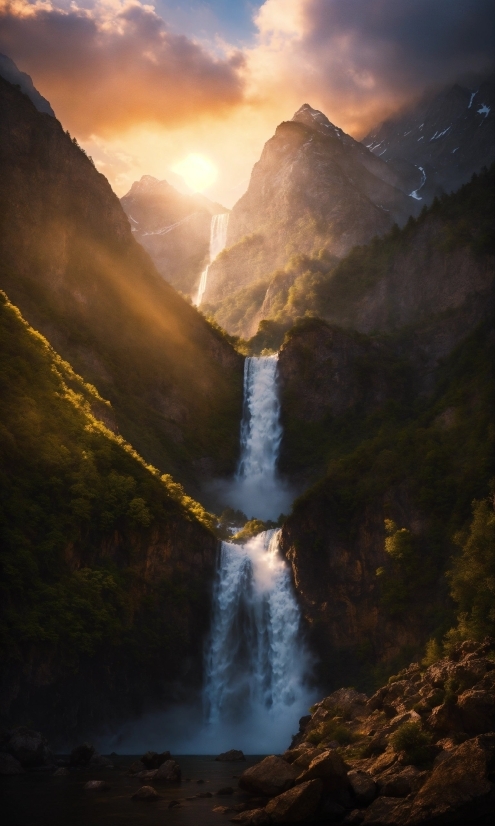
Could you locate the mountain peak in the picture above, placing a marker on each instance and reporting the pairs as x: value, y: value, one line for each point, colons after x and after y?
x: 10, y: 72
x: 316, y: 120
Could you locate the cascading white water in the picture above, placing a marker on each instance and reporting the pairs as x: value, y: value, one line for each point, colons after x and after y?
x: 256, y: 661
x: 218, y: 240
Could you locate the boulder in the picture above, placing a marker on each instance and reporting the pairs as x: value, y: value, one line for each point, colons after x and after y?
x: 297, y: 804
x: 147, y: 794
x: 81, y: 755
x: 330, y: 769
x: 270, y: 777
x: 173, y: 804
x: 9, y: 765
x: 445, y: 718
x: 98, y: 761
x: 29, y: 747
x: 459, y: 786
x: 348, y: 700
x: 169, y: 772
x: 477, y: 711
x: 304, y: 759
x: 153, y: 760
x: 230, y: 756
x: 363, y: 787
x: 387, y: 811
x: 136, y: 767
x: 62, y: 772
x: 96, y: 786
x: 225, y: 790
x: 380, y: 741
x: 254, y: 817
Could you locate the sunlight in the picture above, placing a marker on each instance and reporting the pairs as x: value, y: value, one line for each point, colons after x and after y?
x: 197, y: 171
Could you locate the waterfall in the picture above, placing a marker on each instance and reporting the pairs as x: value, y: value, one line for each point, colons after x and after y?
x: 218, y: 240
x: 256, y: 661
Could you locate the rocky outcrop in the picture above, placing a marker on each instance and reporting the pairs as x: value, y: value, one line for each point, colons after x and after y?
x: 396, y: 769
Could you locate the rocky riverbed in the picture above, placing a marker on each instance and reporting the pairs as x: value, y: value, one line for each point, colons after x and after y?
x: 419, y: 752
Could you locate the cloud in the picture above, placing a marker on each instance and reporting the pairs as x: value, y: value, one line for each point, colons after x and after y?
x: 361, y: 59
x: 115, y: 64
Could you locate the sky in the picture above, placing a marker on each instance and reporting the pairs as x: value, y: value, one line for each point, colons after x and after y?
x: 190, y: 91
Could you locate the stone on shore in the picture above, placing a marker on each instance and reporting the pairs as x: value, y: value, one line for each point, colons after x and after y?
x: 147, y: 794
x: 254, y: 817
x: 9, y: 765
x: 169, y: 772
x: 153, y: 760
x: 29, y: 747
x: 230, y: 756
x: 270, y: 777
x: 296, y: 805
x: 81, y: 755
x: 96, y: 786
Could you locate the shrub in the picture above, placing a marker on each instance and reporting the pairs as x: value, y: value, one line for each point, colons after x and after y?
x: 413, y: 741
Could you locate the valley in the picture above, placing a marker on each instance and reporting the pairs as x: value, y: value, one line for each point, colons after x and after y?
x: 247, y: 453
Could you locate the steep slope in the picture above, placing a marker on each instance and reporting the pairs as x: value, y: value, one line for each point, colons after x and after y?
x: 106, y: 566
x: 174, y: 228
x: 314, y: 187
x: 435, y: 264
x: 402, y: 455
x: 69, y: 261
x: 10, y: 72
x: 440, y: 142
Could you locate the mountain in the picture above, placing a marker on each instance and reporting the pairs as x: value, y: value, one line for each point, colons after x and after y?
x: 174, y: 228
x: 438, y: 143
x: 10, y: 72
x: 106, y: 566
x: 441, y: 262
x: 69, y: 261
x: 313, y: 188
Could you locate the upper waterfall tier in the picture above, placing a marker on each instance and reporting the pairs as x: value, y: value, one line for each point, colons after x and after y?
x: 218, y: 240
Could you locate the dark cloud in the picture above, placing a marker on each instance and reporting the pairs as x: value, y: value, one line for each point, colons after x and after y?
x: 397, y: 46
x: 103, y: 74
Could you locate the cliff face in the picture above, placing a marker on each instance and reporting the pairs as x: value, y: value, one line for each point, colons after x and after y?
x: 313, y: 187
x: 69, y: 261
x: 107, y: 567
x: 397, y: 430
x: 174, y: 229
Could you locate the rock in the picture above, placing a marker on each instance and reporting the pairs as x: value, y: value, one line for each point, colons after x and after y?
x: 348, y: 700
x: 205, y: 794
x: 62, y: 772
x: 146, y: 776
x: 173, y: 804
x: 146, y: 793
x: 221, y: 810
x: 153, y: 760
x: 397, y: 786
x: 225, y: 790
x: 270, y: 777
x: 81, y: 755
x: 445, y: 719
x: 354, y: 818
x: 169, y: 772
x: 458, y: 787
x: 96, y: 786
x: 29, y: 747
x: 329, y: 768
x: 297, y: 804
x: 305, y: 758
x: 387, y: 811
x: 9, y: 765
x: 136, y: 767
x: 399, y: 782
x: 363, y: 787
x: 255, y: 817
x: 252, y: 803
x: 477, y: 711
x: 380, y: 741
x: 101, y: 762
x: 387, y: 759
x: 230, y: 756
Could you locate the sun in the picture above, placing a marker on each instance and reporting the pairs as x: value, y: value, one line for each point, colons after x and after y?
x: 197, y: 171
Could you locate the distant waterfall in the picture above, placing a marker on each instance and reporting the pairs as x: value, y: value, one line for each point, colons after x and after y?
x: 256, y: 661
x: 218, y: 240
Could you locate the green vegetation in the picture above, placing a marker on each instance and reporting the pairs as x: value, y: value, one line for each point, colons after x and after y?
x: 413, y: 742
x: 321, y: 286
x: 79, y: 509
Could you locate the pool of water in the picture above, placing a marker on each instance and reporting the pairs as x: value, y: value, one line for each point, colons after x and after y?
x: 41, y: 799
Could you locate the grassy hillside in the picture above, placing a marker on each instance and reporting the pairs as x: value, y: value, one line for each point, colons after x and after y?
x: 105, y: 565
x: 69, y: 262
